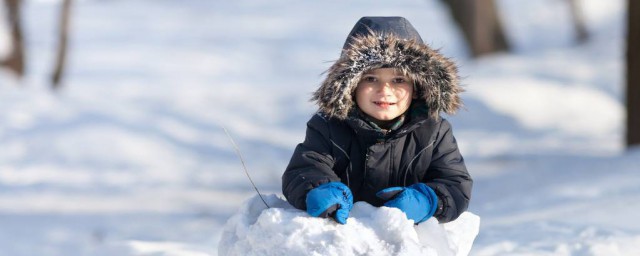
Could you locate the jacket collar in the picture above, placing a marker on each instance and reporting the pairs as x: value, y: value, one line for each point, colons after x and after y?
x: 368, y: 131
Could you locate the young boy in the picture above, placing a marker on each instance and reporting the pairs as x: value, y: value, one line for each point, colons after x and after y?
x: 378, y: 136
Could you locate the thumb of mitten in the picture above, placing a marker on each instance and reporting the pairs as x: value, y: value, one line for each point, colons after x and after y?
x: 342, y: 215
x: 389, y: 193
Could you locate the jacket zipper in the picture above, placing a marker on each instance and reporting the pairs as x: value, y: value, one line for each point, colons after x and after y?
x: 348, y: 158
x: 413, y: 159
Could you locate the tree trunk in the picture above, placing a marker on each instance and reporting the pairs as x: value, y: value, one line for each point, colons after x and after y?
x: 15, y: 59
x: 633, y: 73
x: 62, y: 44
x: 578, y: 22
x: 480, y: 24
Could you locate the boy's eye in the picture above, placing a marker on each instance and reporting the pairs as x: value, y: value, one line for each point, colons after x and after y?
x: 399, y: 80
x: 370, y: 79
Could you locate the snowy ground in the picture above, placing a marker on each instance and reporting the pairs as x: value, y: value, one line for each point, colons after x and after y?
x: 130, y: 157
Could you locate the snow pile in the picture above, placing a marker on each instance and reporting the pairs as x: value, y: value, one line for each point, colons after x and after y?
x: 285, y: 230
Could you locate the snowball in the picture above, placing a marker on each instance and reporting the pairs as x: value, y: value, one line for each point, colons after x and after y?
x: 285, y: 230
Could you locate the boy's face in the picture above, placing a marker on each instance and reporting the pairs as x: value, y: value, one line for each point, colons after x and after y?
x: 384, y: 93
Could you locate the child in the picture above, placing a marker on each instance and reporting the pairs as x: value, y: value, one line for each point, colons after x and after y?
x: 378, y: 136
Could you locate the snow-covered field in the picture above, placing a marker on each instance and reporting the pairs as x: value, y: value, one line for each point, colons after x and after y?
x: 130, y: 158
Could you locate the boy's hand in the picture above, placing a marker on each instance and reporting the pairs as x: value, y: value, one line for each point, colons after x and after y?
x: 418, y: 201
x: 330, y: 199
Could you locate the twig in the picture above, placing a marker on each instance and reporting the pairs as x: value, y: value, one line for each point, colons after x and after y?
x: 244, y: 166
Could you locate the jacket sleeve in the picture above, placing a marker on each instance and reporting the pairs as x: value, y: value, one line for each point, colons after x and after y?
x: 448, y: 176
x: 311, y: 164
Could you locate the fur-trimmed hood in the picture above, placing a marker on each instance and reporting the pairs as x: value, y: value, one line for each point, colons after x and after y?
x: 389, y: 42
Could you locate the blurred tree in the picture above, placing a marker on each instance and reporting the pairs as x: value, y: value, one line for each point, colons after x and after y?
x: 62, y: 44
x: 633, y: 73
x: 15, y: 59
x: 578, y: 22
x: 480, y: 24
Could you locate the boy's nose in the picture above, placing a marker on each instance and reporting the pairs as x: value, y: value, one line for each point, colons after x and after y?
x: 385, y: 87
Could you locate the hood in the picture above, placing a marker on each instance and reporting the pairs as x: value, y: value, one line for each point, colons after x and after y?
x: 389, y: 42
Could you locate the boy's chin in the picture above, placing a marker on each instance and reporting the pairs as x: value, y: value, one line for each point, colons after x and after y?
x: 383, y: 118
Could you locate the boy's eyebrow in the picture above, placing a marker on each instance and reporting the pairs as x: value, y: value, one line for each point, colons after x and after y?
x: 399, y: 73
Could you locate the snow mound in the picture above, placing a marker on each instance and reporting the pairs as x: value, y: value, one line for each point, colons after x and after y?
x: 285, y: 230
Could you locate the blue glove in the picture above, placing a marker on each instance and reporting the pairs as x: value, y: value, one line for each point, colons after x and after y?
x: 418, y: 201
x: 330, y: 199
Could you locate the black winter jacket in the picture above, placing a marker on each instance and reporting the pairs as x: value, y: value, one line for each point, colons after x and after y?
x: 423, y: 150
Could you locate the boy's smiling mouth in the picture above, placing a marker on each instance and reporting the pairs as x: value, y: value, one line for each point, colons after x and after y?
x: 384, y: 104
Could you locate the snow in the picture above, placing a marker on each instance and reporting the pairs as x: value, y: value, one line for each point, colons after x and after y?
x: 130, y: 157
x: 282, y: 229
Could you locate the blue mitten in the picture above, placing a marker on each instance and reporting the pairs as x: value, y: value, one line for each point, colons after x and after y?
x: 418, y: 201
x: 330, y: 199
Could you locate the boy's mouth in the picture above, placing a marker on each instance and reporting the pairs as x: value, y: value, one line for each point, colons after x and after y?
x: 384, y: 104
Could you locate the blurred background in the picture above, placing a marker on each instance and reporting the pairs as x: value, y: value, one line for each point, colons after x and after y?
x: 112, y: 116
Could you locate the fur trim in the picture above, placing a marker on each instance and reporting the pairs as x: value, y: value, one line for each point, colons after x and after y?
x: 435, y: 76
